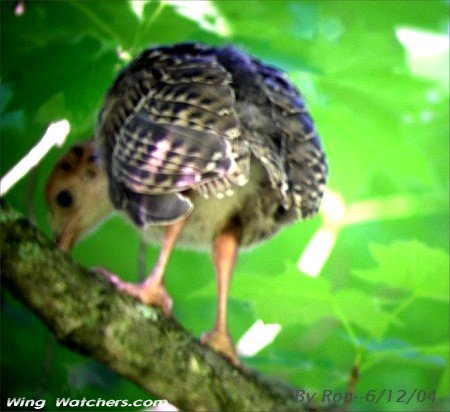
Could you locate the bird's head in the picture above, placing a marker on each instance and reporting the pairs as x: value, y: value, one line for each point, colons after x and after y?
x: 77, y: 194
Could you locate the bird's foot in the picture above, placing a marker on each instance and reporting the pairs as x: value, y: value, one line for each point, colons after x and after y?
x: 221, y: 342
x: 148, y: 292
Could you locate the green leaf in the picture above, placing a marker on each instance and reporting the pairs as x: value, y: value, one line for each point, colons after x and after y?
x: 5, y: 96
x: 443, y: 389
x: 361, y: 309
x: 286, y: 298
x: 412, y: 267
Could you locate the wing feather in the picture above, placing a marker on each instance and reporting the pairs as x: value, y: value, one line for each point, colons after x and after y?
x: 280, y: 132
x: 189, y: 118
x: 169, y: 126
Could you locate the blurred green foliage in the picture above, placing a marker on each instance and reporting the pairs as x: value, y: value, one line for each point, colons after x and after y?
x: 381, y: 302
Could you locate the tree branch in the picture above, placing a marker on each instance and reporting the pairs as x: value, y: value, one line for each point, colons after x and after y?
x: 87, y: 314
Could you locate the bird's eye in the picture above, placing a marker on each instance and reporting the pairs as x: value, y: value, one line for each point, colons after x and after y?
x: 64, y: 198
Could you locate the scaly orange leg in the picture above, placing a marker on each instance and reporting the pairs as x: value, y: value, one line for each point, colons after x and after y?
x: 152, y: 290
x: 225, y: 249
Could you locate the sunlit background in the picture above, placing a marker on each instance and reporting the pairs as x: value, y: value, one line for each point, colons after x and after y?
x: 364, y: 284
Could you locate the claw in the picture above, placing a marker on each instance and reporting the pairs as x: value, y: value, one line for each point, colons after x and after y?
x: 148, y: 292
x: 221, y: 342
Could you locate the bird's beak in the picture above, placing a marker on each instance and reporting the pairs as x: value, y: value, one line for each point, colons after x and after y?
x: 65, y: 241
x: 67, y: 236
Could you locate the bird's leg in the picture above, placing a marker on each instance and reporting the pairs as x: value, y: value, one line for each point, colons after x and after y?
x: 225, y: 249
x: 151, y: 291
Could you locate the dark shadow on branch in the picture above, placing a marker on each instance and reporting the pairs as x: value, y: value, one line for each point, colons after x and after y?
x: 87, y: 314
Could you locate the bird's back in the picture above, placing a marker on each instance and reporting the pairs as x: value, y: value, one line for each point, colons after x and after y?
x: 191, y: 128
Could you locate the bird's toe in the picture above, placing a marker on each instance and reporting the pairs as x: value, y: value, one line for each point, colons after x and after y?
x: 112, y: 277
x: 152, y: 294
x: 155, y: 295
x: 221, y: 342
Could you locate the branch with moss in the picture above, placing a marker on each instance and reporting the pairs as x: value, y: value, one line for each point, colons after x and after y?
x: 88, y: 314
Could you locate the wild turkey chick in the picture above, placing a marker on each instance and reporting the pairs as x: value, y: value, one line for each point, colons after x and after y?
x: 200, y: 147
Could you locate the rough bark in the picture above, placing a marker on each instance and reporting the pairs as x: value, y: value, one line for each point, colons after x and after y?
x: 87, y: 314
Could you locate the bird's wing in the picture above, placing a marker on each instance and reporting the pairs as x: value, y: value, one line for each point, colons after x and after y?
x: 280, y: 132
x: 304, y: 159
x: 182, y: 133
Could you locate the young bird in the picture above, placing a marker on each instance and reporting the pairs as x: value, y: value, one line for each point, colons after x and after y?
x: 200, y: 147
